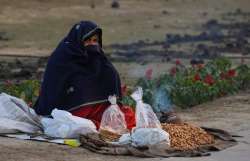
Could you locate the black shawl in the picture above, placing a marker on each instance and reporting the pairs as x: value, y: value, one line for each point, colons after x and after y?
x: 75, y: 77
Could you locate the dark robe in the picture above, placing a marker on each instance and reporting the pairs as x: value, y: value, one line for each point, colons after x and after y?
x: 76, y: 75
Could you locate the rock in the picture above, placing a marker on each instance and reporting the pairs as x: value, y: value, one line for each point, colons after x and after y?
x: 92, y: 5
x: 157, y: 26
x: 238, y: 11
x: 4, y: 36
x: 18, y: 63
x: 15, y: 71
x: 166, y: 46
x: 211, y: 23
x: 42, y: 61
x: 193, y: 61
x: 25, y: 73
x: 204, y: 14
x: 39, y: 73
x: 40, y: 70
x: 230, y: 45
x: 115, y: 4
x: 164, y: 12
x: 200, y: 61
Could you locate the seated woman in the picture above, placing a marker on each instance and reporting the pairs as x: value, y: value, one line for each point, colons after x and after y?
x: 79, y: 77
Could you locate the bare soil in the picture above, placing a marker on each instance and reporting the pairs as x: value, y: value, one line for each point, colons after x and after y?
x: 33, y: 25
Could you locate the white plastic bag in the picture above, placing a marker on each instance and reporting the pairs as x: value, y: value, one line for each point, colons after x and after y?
x: 125, y: 139
x: 65, y: 125
x: 145, y: 117
x: 16, y: 116
x: 149, y: 136
x: 148, y: 129
x: 113, y: 119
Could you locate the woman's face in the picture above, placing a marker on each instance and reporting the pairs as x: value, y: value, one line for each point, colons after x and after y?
x: 93, y: 40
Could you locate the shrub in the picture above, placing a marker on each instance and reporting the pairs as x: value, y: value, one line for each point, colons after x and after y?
x: 198, y: 84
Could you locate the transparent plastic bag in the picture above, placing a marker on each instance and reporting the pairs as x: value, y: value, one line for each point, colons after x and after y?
x: 149, y: 136
x: 113, y: 119
x: 145, y: 117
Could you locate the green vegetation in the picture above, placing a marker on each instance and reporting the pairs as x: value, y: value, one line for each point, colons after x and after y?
x: 197, y: 84
x: 187, y: 86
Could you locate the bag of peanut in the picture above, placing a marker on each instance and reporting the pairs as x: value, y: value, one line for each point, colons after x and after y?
x: 145, y: 117
x: 113, y: 119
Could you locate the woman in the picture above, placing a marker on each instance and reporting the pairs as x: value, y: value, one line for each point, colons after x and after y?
x: 79, y: 78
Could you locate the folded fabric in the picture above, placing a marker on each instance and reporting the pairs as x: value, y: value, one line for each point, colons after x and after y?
x: 94, y: 143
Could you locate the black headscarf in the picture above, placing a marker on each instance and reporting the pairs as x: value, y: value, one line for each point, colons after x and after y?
x: 76, y: 75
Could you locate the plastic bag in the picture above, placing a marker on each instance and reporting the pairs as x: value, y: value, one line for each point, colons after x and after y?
x: 125, y: 139
x: 145, y: 117
x: 161, y: 101
x: 65, y: 125
x: 16, y: 116
x: 113, y: 119
x: 145, y: 137
x: 149, y: 136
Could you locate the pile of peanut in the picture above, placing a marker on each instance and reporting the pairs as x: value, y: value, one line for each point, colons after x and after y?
x: 187, y: 137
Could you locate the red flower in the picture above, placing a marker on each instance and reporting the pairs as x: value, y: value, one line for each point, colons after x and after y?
x: 173, y: 71
x: 177, y: 62
x: 231, y: 73
x: 149, y: 73
x: 8, y: 83
x: 124, y: 90
x: 209, y: 79
x: 197, y: 77
x: 200, y: 66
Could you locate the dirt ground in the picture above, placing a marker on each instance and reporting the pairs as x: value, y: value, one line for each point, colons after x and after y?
x: 35, y: 27
x: 231, y: 113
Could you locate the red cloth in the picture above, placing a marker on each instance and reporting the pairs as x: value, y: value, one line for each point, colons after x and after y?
x: 94, y: 113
